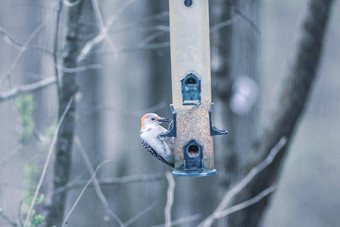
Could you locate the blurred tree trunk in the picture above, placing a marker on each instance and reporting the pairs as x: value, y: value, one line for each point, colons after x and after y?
x: 292, y: 102
x: 88, y: 127
x: 221, y: 63
x: 67, y: 90
x: 236, y: 48
x: 235, y: 54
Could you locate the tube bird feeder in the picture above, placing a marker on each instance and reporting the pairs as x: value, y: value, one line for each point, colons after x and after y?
x: 192, y: 126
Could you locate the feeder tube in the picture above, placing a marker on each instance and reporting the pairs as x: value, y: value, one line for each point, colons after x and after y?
x: 190, y: 47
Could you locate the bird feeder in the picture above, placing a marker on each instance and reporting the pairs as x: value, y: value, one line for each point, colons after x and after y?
x: 192, y: 126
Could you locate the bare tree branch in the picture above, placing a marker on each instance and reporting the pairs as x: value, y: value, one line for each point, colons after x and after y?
x: 225, y: 23
x: 27, y: 88
x: 246, y: 203
x: 36, y: 86
x: 30, y: 38
x: 244, y: 182
x: 71, y: 3
x: 103, y: 32
x: 112, y: 181
x: 127, y: 27
x: 9, y: 40
x: 8, y: 219
x: 138, y: 48
x: 250, y: 22
x: 17, y: 45
x: 148, y: 39
x: 170, y: 199
x: 79, y: 68
x: 160, y: 30
x: 100, y: 20
x: 56, y: 47
x: 140, y: 214
x: 181, y: 221
x: 49, y: 155
x: 82, y: 192
x: 98, y: 14
x: 155, y: 108
x: 145, y: 44
x: 96, y: 184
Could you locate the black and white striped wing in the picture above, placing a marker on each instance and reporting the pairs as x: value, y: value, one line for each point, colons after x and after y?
x: 153, y: 152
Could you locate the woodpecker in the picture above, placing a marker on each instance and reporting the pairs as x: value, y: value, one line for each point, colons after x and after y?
x: 160, y: 147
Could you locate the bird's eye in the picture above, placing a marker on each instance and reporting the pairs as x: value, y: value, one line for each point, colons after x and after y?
x: 153, y: 119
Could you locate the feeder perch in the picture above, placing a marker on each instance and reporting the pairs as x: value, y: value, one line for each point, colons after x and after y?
x: 192, y: 126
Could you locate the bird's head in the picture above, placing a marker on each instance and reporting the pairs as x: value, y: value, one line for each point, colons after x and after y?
x: 152, y: 119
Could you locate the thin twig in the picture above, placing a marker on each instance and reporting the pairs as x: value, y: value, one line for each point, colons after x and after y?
x: 246, y: 203
x: 103, y: 32
x: 82, y: 192
x: 250, y: 22
x: 242, y: 15
x: 132, y: 49
x: 140, y: 214
x: 100, y: 20
x: 32, y: 87
x: 150, y: 38
x: 112, y: 181
x: 170, y: 199
x: 17, y: 45
x: 71, y: 4
x: 26, y: 88
x: 181, y: 221
x: 97, y: 13
x: 145, y: 47
x: 225, y: 23
x: 144, y: 44
x: 19, y: 214
x: 79, y: 68
x: 56, y: 47
x: 244, y: 182
x: 114, y: 109
x: 8, y: 219
x: 24, y: 48
x: 137, y: 23
x: 96, y: 184
x: 9, y: 40
x: 47, y: 161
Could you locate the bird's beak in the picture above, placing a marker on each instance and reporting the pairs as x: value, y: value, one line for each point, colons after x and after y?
x: 162, y: 119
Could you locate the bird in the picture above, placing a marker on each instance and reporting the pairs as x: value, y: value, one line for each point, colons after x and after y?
x: 150, y: 136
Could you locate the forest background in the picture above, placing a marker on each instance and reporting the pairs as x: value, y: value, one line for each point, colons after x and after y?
x: 89, y: 69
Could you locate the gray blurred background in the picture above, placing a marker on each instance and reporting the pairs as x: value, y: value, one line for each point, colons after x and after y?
x: 308, y: 193
x: 127, y: 75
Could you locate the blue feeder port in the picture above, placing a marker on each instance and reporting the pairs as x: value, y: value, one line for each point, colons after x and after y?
x: 193, y: 161
x: 191, y: 90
